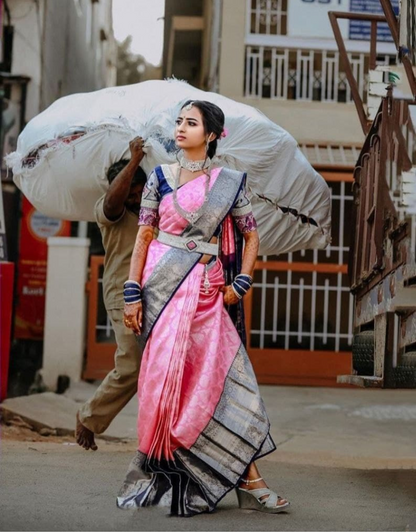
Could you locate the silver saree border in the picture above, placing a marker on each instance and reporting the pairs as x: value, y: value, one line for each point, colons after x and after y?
x: 237, y: 434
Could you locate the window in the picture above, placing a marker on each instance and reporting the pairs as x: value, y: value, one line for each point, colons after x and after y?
x: 268, y: 17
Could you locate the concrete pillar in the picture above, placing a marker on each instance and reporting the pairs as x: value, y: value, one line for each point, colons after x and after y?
x: 232, y: 58
x: 65, y: 313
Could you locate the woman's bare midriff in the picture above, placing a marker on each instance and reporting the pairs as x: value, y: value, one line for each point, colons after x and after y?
x: 207, y: 258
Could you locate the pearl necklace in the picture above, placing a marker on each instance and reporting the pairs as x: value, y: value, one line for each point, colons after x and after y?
x: 194, y: 166
x: 191, y: 216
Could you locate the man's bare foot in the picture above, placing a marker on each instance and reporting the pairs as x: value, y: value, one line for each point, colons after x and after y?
x: 84, y: 436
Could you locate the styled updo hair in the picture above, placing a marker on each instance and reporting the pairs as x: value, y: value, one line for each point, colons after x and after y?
x: 213, y: 119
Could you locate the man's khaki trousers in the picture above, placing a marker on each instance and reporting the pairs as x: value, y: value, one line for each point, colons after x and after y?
x: 120, y: 384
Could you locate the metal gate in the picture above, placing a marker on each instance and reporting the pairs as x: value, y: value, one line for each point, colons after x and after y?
x: 299, y: 313
x: 100, y: 336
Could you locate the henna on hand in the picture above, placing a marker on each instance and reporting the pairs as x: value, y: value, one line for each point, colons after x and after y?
x: 133, y: 317
x: 230, y: 297
x: 250, y: 253
x: 133, y: 313
x: 138, y: 257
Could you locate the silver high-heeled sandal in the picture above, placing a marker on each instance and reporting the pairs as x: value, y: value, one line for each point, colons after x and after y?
x: 252, y: 499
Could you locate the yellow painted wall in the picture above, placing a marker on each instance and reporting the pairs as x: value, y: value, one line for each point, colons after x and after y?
x: 232, y: 49
x: 312, y: 121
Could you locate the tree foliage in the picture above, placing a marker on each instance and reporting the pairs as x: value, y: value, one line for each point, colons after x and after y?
x: 131, y: 67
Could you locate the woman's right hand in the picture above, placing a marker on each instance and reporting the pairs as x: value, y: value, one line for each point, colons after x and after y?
x: 229, y: 295
x: 133, y: 317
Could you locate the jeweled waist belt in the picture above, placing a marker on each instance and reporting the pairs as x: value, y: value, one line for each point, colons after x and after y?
x: 192, y: 245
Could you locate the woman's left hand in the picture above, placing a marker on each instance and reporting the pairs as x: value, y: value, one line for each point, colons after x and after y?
x: 229, y: 296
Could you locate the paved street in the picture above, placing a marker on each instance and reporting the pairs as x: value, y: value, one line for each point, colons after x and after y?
x: 346, y: 459
x: 52, y: 486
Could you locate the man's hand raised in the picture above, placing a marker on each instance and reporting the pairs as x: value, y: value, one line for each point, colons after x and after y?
x: 136, y: 149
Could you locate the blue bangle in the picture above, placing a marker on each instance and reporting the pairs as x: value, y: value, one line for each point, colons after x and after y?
x: 132, y: 292
x: 132, y: 284
x: 132, y: 301
x: 131, y: 297
x: 244, y: 280
x: 243, y: 283
x: 245, y: 277
x: 238, y: 290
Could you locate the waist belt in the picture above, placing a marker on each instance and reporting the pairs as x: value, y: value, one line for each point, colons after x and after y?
x: 190, y: 244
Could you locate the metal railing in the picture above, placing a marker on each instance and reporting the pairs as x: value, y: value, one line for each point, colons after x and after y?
x: 378, y: 227
x: 302, y: 300
x: 305, y: 75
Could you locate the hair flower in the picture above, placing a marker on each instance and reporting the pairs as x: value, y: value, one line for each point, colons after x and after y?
x: 224, y: 133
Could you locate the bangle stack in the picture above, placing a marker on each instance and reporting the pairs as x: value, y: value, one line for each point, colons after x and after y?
x: 241, y: 285
x: 132, y: 292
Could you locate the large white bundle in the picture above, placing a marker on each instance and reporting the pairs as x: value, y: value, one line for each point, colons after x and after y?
x: 67, y: 178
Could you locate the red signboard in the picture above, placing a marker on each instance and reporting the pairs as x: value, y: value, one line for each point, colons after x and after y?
x: 35, y: 229
x: 6, y: 305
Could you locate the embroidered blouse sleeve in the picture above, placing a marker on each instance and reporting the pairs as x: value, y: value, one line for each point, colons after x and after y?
x: 149, y: 206
x: 242, y: 212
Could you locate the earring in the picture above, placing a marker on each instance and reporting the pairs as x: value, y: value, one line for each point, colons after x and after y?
x: 208, y: 142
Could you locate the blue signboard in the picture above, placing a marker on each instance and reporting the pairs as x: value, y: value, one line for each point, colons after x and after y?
x: 360, y: 30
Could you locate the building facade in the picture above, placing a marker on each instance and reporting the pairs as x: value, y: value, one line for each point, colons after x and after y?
x: 62, y: 46
x: 279, y: 56
x: 50, y: 49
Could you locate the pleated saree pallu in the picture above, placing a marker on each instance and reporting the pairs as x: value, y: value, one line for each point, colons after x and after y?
x: 201, y: 417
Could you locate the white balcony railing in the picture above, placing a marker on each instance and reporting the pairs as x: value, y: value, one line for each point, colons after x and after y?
x: 305, y: 75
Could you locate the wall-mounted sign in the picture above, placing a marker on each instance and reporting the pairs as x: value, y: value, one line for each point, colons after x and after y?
x: 309, y: 18
x: 360, y: 30
x: 35, y: 229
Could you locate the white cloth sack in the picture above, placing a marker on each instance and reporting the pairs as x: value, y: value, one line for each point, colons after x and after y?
x: 68, y: 178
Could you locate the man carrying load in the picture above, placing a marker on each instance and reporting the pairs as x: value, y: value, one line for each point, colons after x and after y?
x: 116, y: 214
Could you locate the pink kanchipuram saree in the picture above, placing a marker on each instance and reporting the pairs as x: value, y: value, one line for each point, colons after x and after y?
x: 201, y: 418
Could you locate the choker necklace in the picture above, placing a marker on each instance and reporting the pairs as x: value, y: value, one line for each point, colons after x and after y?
x: 194, y: 166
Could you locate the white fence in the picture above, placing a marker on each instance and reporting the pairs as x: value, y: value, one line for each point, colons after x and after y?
x: 305, y: 75
x: 306, y: 307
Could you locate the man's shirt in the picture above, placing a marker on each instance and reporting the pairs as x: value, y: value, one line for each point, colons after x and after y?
x: 118, y: 238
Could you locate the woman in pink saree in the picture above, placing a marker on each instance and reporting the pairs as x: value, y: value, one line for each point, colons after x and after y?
x: 202, y: 422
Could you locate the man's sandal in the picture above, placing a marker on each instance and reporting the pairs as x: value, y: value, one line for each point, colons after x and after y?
x: 255, y: 499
